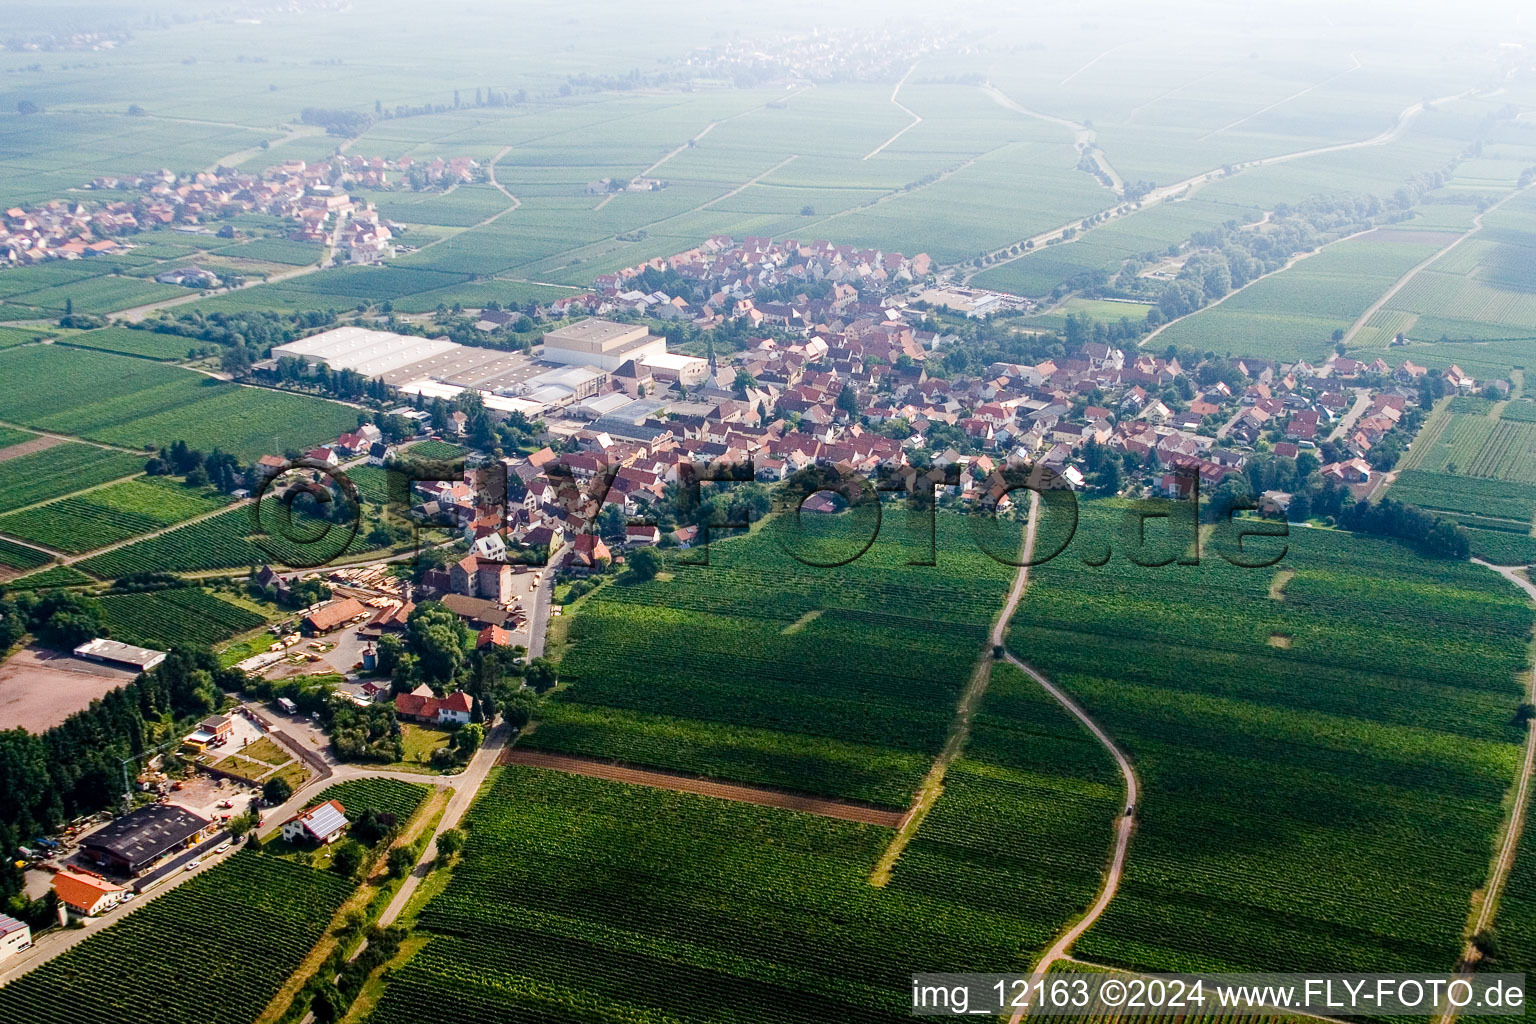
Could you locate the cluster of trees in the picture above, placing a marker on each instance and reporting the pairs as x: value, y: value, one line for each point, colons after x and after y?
x: 76, y: 767
x: 363, y: 733
x: 56, y: 618
x: 218, y: 468
x: 345, y: 384
x: 300, y: 593
x: 348, y: 123
x: 1429, y: 534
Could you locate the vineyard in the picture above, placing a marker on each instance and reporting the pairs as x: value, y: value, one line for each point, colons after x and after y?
x: 216, y: 948
x: 59, y: 470
x: 149, y: 344
x: 384, y: 796
x: 1475, y: 496
x: 133, y: 402
x: 57, y: 576
x: 700, y: 673
x: 19, y: 556
x: 1290, y: 790
x: 101, y: 517
x: 179, y: 617
x: 225, y: 541
x: 621, y: 902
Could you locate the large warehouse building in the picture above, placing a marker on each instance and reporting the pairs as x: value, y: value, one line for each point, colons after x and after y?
x: 573, y: 365
x: 601, y: 343
x: 137, y: 840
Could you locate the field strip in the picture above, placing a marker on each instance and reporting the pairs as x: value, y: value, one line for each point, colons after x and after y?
x: 823, y: 807
x: 1001, y: 256
x: 1499, y: 873
x: 1280, y: 103
x: 21, y: 448
x: 1131, y: 115
x: 1287, y: 265
x: 932, y: 786
x: 1400, y: 283
x: 916, y: 119
x: 65, y: 437
x: 1085, y: 137
x: 1094, y: 61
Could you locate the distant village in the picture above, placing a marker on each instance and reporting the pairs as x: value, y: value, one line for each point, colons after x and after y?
x: 311, y: 197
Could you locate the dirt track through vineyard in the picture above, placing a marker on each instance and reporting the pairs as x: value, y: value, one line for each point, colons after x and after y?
x: 821, y: 806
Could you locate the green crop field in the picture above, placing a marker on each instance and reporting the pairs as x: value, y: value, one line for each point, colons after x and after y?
x: 631, y: 901
x: 260, y: 916
x: 699, y: 673
x: 1294, y: 750
x: 19, y: 556
x: 180, y: 617
x: 149, y: 344
x: 55, y: 576
x: 229, y: 541
x: 383, y: 796
x: 11, y: 436
x: 10, y: 336
x: 59, y: 470
x: 135, y: 402
x: 105, y: 516
x: 1498, y: 499
x: 1293, y: 314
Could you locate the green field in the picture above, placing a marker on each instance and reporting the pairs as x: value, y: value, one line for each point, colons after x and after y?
x: 135, y: 402
x: 1294, y: 752
x: 1293, y: 314
x: 150, y: 344
x: 383, y: 796
x: 628, y: 903
x: 181, y: 617
x: 19, y: 556
x: 105, y: 516
x: 698, y: 673
x: 229, y: 541
x: 61, y: 469
x: 259, y: 917
x: 56, y: 576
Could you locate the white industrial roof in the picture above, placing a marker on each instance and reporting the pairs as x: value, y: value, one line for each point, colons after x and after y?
x: 429, y: 389
x: 368, y: 352
x: 506, y: 403
x: 601, y: 405
x: 670, y: 360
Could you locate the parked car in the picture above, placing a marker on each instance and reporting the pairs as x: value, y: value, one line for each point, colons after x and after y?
x: 193, y: 864
x: 222, y: 848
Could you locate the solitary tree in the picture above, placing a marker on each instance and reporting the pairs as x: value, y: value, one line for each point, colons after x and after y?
x: 449, y: 844
x: 276, y: 791
x: 348, y: 858
x: 644, y: 563
x: 400, y: 861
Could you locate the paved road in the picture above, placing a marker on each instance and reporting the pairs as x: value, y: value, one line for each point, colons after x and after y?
x: 465, y: 786
x: 1362, y: 402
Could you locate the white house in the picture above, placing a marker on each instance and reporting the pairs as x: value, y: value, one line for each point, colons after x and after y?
x: 14, y: 936
x: 321, y: 824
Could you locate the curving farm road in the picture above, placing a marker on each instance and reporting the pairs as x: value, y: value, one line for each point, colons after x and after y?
x: 1126, y: 823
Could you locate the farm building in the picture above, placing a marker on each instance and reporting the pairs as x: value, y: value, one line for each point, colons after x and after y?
x: 14, y: 936
x: 86, y: 894
x: 333, y: 616
x: 110, y: 652
x: 322, y: 824
x: 137, y: 840
x: 422, y: 705
x: 213, y: 731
